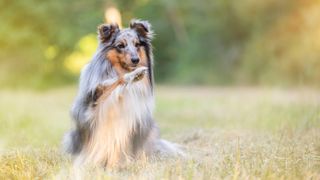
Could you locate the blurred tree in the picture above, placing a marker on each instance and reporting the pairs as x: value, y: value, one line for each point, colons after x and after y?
x: 287, y: 51
x: 31, y: 29
x: 198, y: 42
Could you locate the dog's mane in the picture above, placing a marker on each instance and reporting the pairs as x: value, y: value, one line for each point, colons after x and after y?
x: 148, y: 48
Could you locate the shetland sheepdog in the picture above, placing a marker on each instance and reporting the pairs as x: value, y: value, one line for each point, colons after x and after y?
x: 113, y: 111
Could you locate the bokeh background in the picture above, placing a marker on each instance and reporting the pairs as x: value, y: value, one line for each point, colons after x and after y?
x: 237, y: 85
x: 216, y: 42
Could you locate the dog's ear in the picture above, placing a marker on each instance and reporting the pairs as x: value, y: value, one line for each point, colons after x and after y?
x: 143, y: 29
x: 107, y: 32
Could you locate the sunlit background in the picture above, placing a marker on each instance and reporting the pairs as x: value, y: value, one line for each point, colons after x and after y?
x: 215, y: 42
x: 237, y: 85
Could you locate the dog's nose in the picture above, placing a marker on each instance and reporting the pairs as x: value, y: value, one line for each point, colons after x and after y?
x: 135, y: 60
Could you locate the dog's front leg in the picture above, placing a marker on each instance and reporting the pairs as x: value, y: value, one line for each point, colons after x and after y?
x: 107, y: 87
x: 104, y: 90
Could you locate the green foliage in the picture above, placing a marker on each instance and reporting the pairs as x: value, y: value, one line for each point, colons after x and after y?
x: 29, y: 27
x: 197, y: 42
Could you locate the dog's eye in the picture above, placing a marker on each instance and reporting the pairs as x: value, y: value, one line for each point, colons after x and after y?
x: 120, y: 46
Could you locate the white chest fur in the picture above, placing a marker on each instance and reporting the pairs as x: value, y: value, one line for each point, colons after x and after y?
x: 127, y: 110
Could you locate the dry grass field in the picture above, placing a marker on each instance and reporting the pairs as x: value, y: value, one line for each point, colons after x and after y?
x: 227, y: 133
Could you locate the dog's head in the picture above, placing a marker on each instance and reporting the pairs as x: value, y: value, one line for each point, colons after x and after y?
x: 128, y: 47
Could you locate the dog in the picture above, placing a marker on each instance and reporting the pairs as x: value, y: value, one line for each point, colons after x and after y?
x: 113, y: 111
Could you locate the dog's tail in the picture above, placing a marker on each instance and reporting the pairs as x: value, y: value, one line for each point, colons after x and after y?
x: 166, y: 148
x: 71, y: 142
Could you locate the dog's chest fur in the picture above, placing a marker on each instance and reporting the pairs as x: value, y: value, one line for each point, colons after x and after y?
x: 122, y: 123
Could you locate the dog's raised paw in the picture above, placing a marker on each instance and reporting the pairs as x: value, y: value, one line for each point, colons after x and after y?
x: 140, y: 74
x: 135, y: 75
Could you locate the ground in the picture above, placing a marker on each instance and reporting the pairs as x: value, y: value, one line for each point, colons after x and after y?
x: 226, y: 133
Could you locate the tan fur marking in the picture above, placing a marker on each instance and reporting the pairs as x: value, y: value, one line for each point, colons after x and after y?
x: 143, y: 57
x: 115, y: 59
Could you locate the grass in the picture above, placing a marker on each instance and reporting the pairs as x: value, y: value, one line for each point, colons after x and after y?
x: 227, y: 133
